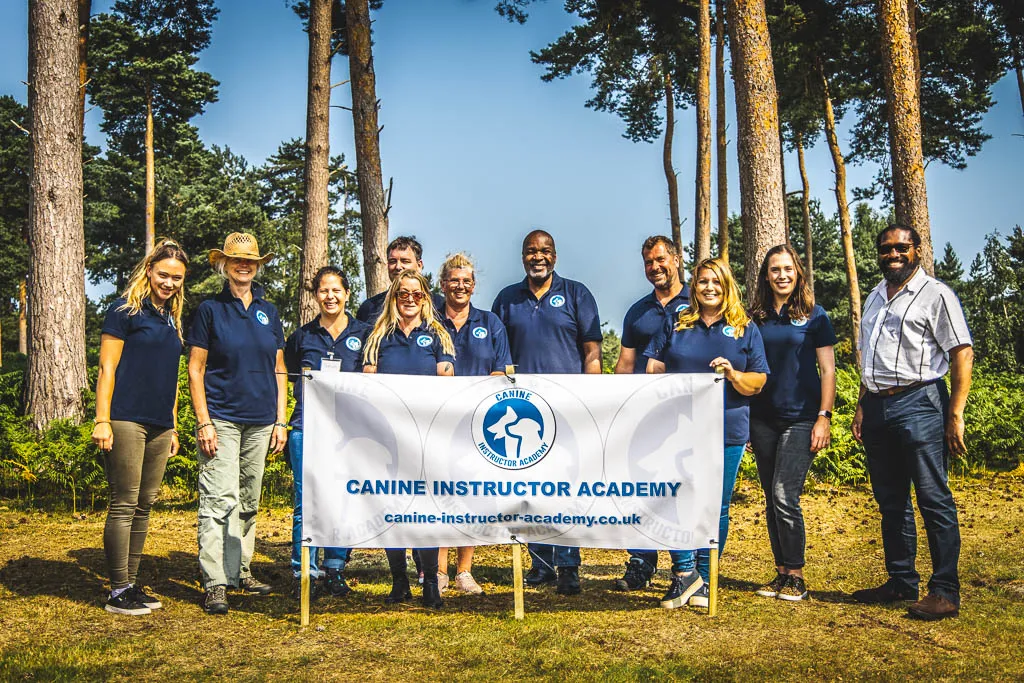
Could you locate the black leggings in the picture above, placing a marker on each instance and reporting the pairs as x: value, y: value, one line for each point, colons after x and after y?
x: 428, y: 561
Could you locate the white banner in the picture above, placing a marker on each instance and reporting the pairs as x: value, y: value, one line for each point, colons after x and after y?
x: 600, y: 461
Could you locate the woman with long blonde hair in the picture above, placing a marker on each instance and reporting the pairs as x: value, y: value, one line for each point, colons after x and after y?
x: 136, y: 412
x: 714, y: 334
x: 408, y: 339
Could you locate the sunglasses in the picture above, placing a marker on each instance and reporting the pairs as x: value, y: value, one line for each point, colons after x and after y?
x: 901, y: 248
x: 410, y: 296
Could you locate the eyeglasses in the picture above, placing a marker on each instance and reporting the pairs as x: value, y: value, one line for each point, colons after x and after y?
x: 900, y: 247
x: 464, y: 284
x: 410, y: 296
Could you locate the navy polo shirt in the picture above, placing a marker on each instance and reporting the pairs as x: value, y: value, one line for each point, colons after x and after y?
x: 311, y: 343
x: 548, y: 335
x: 371, y: 309
x: 146, y: 379
x: 646, y: 318
x: 693, y: 350
x: 793, y: 390
x: 481, y: 346
x: 241, y: 386
x: 416, y: 354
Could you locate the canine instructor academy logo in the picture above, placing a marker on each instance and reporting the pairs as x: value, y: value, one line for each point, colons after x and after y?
x: 514, y: 428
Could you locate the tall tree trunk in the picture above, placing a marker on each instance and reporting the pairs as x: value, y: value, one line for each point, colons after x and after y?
x: 666, y: 159
x: 782, y: 177
x: 722, y: 143
x: 805, y: 212
x: 904, y: 106
x: 1019, y: 68
x: 317, y: 173
x: 150, y: 176
x: 846, y: 233
x: 367, y: 143
x: 22, y: 320
x: 56, y: 295
x: 84, y: 12
x: 757, y: 118
x: 702, y: 195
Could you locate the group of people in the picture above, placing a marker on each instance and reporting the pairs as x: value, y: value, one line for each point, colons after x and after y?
x: 776, y: 358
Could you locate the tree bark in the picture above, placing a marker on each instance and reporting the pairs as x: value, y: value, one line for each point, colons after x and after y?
x: 782, y: 177
x: 56, y: 288
x: 702, y: 195
x: 22, y: 320
x: 367, y: 144
x: 722, y: 159
x: 904, y: 107
x: 757, y: 118
x: 150, y: 176
x: 805, y: 209
x: 845, y: 230
x: 1019, y: 68
x: 84, y: 12
x: 317, y: 173
x: 666, y: 159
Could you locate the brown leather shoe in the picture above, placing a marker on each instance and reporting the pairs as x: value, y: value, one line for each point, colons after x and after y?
x: 932, y: 608
x: 888, y: 592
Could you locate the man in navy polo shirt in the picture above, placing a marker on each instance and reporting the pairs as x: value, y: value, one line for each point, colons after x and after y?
x: 643, y: 320
x: 553, y: 327
x: 403, y: 253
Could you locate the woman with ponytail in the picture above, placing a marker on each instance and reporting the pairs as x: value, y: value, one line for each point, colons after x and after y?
x: 136, y: 412
x: 408, y: 339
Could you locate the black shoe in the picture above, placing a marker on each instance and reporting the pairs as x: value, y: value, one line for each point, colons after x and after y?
x: 568, y: 581
x: 772, y: 588
x: 399, y: 590
x: 216, y: 600
x: 637, y: 576
x: 683, y: 587
x: 795, y: 589
x: 887, y: 593
x: 126, y: 603
x: 147, y: 600
x: 253, y: 586
x: 431, y: 595
x: 538, y: 576
x: 702, y: 596
x: 315, y: 588
x: 335, y: 584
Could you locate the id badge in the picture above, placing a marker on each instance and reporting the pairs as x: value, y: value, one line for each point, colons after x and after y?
x: 330, y: 365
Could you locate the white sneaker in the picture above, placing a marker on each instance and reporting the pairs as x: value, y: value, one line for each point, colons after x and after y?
x: 465, y: 582
x: 442, y: 582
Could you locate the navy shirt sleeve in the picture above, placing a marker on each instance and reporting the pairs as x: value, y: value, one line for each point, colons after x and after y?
x: 117, y: 323
x: 659, y: 342
x: 629, y: 340
x: 278, y: 328
x: 587, y: 316
x: 439, y: 355
x: 757, y: 361
x: 199, y: 333
x: 502, y: 354
x: 824, y: 333
x: 363, y: 313
x: 293, y: 353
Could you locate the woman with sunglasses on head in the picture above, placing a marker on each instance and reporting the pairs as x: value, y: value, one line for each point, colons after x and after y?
x: 331, y: 342
x: 408, y: 339
x: 790, y: 421
x: 481, y: 348
x: 713, y: 335
x: 136, y: 413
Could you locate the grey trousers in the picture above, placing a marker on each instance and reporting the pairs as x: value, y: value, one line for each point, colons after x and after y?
x: 135, y: 467
x: 229, y: 497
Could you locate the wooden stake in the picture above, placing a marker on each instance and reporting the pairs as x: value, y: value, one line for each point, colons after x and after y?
x: 304, y: 618
x: 713, y: 589
x: 517, y: 580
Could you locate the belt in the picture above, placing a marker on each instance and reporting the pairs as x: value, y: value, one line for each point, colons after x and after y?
x: 885, y: 393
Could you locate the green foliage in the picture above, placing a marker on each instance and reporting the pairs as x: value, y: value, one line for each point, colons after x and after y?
x: 993, y: 301
x: 14, y: 169
x: 610, y: 345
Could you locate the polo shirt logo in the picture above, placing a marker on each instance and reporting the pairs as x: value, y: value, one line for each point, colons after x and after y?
x: 353, y: 343
x: 799, y: 322
x: 424, y: 340
x: 480, y: 332
x: 681, y: 307
x: 729, y: 331
x: 557, y: 301
x: 262, y: 317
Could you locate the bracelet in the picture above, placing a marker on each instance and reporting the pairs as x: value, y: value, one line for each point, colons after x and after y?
x: 175, y: 432
x: 203, y: 426
x: 101, y: 422
x: 282, y: 425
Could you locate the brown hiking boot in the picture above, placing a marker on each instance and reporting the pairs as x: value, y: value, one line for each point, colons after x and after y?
x: 932, y: 608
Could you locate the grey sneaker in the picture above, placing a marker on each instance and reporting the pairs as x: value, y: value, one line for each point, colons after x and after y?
x: 772, y: 588
x: 701, y: 597
x: 253, y: 586
x: 216, y: 600
x: 442, y: 582
x: 795, y: 589
x: 465, y: 582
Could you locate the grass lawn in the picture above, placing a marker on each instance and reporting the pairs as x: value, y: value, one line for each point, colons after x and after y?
x: 53, y: 627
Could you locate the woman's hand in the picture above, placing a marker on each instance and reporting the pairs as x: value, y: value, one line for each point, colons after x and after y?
x: 207, y: 438
x: 103, y: 436
x: 175, y: 444
x: 821, y: 434
x: 723, y: 367
x: 278, y: 438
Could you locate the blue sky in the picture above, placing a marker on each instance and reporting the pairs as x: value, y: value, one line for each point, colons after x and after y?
x: 481, y: 151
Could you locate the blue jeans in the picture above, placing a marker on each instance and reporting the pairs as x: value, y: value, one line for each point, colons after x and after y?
x: 686, y: 560
x: 334, y: 558
x: 648, y: 557
x: 904, y: 437
x: 547, y: 556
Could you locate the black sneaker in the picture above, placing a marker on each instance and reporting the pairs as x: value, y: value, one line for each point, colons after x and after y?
x: 431, y: 595
x: 253, y: 586
x: 538, y: 576
x: 315, y: 588
x: 637, y: 576
x: 568, y: 581
x: 682, y: 588
x: 772, y: 588
x: 889, y: 592
x: 701, y: 597
x: 126, y: 603
x: 399, y: 590
x: 335, y: 583
x: 216, y: 600
x: 795, y: 589
x: 146, y: 599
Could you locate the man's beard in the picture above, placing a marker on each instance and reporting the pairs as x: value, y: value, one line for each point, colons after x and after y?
x: 899, y: 275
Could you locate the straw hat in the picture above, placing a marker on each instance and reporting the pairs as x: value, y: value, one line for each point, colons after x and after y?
x: 239, y: 245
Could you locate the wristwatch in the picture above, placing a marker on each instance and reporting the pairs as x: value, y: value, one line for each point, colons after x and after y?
x: 827, y: 414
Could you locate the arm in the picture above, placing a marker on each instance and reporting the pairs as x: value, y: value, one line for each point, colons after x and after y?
x: 592, y: 358
x: 655, y: 367
x: 279, y: 436
x: 110, y: 356
x: 370, y: 369
x: 627, y: 358
x: 961, y: 364
x: 446, y: 369
x: 175, y: 442
x: 206, y: 435
x: 858, y: 415
x: 746, y: 383
x: 821, y: 433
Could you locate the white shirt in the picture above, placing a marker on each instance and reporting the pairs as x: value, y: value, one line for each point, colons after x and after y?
x: 906, y: 339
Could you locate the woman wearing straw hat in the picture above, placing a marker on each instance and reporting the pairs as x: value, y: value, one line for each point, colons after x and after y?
x: 237, y: 376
